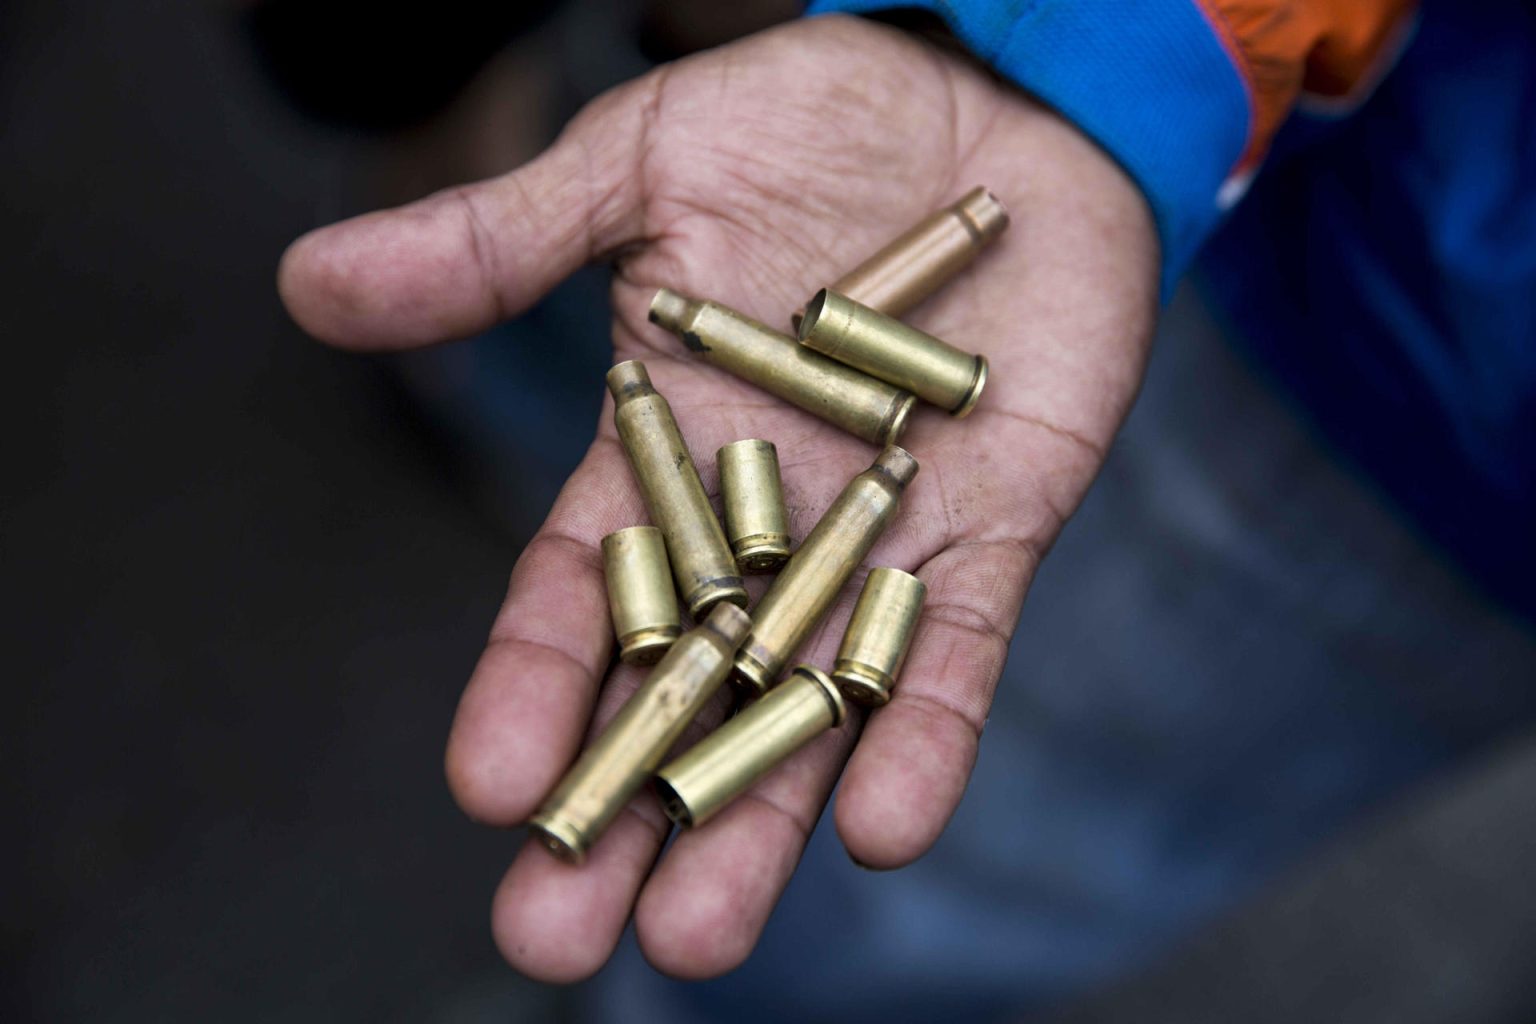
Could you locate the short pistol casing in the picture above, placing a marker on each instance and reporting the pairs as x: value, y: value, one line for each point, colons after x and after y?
x: 756, y: 522
x: 878, y: 635
x: 641, y: 594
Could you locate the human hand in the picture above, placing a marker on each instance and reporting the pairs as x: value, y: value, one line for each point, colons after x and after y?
x: 753, y: 175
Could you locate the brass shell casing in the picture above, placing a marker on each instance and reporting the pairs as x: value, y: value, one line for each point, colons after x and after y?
x: 924, y: 258
x: 770, y: 359
x: 802, y: 593
x: 617, y: 764
x: 756, y: 522
x: 884, y: 347
x: 701, y: 560
x: 878, y: 635
x: 721, y: 766
x: 641, y: 594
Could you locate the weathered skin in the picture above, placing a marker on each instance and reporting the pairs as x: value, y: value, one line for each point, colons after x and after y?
x: 754, y: 174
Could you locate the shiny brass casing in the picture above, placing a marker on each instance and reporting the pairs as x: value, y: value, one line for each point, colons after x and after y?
x: 756, y: 522
x: 925, y: 257
x: 720, y: 767
x: 758, y: 354
x: 641, y: 594
x: 614, y: 767
x: 884, y: 347
x: 878, y: 635
x: 701, y: 559
x: 803, y: 592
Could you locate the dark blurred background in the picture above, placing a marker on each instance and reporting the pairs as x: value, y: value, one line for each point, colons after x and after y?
x: 249, y: 575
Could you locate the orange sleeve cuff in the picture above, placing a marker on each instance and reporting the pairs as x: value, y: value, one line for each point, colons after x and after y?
x: 1327, y: 48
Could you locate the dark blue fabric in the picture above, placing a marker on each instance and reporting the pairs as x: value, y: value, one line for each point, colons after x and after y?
x: 1384, y: 268
x: 1148, y: 81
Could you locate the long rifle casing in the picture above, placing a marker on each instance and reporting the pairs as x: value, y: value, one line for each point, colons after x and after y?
x: 701, y: 559
x: 879, y: 632
x: 720, y: 767
x: 925, y: 257
x: 618, y: 763
x: 803, y: 592
x: 844, y: 397
x: 756, y: 522
x: 641, y: 594
x: 884, y: 347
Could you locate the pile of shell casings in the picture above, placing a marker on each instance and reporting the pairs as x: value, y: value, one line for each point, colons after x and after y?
x: 856, y: 366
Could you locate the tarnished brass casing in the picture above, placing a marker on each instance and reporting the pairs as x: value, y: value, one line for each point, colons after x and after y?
x: 756, y: 522
x: 641, y: 594
x: 803, y: 592
x: 701, y: 559
x: 884, y: 347
x: 618, y: 763
x: 878, y: 635
x: 925, y: 257
x: 758, y: 354
x: 721, y: 766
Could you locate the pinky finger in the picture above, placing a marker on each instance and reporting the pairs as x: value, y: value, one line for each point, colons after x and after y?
x: 911, y: 766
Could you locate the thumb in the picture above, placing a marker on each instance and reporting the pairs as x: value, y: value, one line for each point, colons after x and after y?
x: 456, y: 262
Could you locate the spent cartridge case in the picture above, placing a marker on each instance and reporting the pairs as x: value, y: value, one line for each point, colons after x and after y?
x: 878, y: 635
x: 701, y: 560
x: 884, y: 347
x: 620, y: 761
x: 756, y: 522
x: 925, y: 257
x: 804, y: 590
x: 641, y: 595
x: 854, y: 401
x: 721, y: 766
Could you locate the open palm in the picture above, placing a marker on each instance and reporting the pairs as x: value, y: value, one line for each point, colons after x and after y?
x: 753, y: 175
